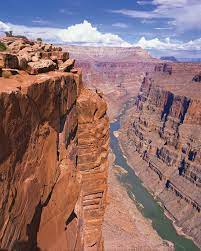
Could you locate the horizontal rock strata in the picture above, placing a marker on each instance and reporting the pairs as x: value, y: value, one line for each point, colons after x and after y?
x: 53, y: 156
x: 163, y: 133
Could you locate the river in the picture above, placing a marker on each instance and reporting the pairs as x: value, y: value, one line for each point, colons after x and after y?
x: 148, y: 206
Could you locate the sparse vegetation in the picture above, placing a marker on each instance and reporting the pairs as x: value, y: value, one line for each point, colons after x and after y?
x: 39, y: 40
x: 6, y: 74
x: 9, y: 33
x: 2, y: 46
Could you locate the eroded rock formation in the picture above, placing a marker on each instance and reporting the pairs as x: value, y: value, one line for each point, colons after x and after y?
x: 53, y: 153
x: 117, y: 72
x: 163, y: 135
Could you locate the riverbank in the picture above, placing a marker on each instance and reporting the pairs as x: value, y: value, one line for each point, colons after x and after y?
x: 132, y: 162
x: 124, y: 227
x: 150, y: 179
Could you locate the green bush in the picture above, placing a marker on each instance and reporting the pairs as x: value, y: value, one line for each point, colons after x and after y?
x: 2, y: 46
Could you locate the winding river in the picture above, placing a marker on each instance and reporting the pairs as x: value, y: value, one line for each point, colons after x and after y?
x: 144, y: 200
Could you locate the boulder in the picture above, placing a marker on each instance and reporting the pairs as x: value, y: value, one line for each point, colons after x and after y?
x: 6, y: 72
x: 26, y: 56
x: 48, y: 47
x: 63, y: 56
x: 67, y: 66
x: 46, y: 55
x: 42, y: 66
x: 8, y: 60
x: 22, y: 63
x: 17, y: 45
x: 35, y: 59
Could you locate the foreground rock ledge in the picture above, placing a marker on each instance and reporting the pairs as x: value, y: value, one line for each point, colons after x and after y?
x: 54, y: 136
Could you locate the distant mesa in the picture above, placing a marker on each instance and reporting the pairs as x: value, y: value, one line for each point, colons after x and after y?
x: 169, y: 58
x: 193, y: 60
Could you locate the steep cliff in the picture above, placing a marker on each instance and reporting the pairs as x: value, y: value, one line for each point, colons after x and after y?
x: 53, y: 152
x: 162, y: 134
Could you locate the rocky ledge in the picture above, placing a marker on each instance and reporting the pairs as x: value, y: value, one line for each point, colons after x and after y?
x: 162, y: 134
x: 53, y: 152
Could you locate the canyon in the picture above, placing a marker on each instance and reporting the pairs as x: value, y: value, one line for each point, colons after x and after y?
x: 54, y: 135
x: 161, y: 128
x: 60, y: 176
x: 117, y: 72
x: 160, y: 135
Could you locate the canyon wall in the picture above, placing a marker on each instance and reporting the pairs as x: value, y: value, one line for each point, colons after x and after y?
x: 117, y: 72
x: 161, y: 136
x: 53, y: 152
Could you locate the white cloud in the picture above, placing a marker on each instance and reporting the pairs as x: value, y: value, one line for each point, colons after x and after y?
x: 40, y: 21
x: 4, y: 27
x: 163, y: 28
x: 120, y: 25
x: 87, y: 34
x: 167, y: 44
x: 184, y: 14
x: 83, y: 33
x: 64, y: 11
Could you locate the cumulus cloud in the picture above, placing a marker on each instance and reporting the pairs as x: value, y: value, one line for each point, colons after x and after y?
x: 168, y: 44
x: 83, y: 33
x: 184, y: 14
x: 87, y: 34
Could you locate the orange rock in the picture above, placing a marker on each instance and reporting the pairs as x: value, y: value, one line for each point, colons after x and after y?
x: 52, y: 190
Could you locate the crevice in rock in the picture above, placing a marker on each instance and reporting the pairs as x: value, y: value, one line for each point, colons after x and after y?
x: 167, y: 107
x: 71, y: 218
x: 71, y: 136
x: 186, y: 104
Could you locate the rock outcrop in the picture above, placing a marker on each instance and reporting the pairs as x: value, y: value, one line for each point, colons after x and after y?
x: 163, y: 67
x: 197, y: 78
x: 53, y: 155
x: 163, y: 135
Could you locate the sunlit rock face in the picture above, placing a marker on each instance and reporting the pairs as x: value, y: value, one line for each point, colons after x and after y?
x: 53, y: 152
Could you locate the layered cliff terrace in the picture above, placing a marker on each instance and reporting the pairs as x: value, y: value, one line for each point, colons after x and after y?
x: 166, y: 129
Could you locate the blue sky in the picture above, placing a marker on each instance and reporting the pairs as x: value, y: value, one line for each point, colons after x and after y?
x: 162, y: 26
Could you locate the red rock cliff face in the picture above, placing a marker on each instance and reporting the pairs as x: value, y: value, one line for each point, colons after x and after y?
x: 53, y: 163
x: 164, y: 131
x: 93, y: 143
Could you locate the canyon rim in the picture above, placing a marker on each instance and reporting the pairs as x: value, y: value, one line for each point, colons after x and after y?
x: 100, y: 125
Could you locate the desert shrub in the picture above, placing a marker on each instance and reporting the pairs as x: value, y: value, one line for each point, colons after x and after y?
x: 6, y: 74
x: 2, y: 46
x: 39, y: 40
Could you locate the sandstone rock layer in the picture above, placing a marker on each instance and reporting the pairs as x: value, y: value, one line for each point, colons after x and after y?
x: 163, y: 135
x: 53, y: 161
